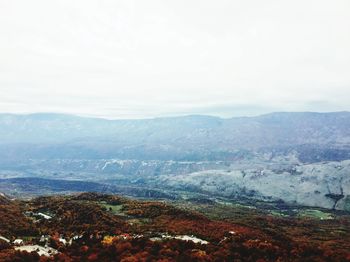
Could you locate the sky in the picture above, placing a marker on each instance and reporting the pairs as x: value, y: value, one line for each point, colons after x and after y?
x: 140, y: 59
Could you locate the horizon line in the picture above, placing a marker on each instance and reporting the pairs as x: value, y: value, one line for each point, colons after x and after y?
x: 170, y: 116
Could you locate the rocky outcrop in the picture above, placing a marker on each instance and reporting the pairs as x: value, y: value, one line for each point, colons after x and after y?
x: 324, y: 185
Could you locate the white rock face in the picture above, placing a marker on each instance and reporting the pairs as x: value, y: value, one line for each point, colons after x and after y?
x: 42, y: 251
x: 192, y: 239
x: 185, y: 238
x: 5, y: 239
x: 311, y: 185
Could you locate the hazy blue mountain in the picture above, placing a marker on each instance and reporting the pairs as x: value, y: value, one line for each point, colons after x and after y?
x: 278, y: 156
x: 188, y: 137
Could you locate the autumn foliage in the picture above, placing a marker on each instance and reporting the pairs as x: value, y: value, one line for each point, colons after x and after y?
x: 144, y: 230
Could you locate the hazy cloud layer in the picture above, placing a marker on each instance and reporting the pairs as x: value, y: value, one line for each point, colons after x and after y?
x: 135, y: 59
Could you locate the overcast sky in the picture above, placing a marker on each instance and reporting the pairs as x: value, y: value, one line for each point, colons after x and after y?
x: 135, y: 59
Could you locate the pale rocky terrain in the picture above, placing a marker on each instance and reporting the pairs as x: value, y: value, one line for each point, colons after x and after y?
x: 322, y: 184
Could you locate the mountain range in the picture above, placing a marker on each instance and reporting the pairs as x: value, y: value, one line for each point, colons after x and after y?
x: 299, y: 158
x: 315, y: 136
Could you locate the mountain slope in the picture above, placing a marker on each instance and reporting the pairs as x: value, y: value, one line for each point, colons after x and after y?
x: 100, y: 227
x: 188, y: 138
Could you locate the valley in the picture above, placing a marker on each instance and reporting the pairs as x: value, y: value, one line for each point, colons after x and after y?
x: 270, y: 188
x: 321, y: 184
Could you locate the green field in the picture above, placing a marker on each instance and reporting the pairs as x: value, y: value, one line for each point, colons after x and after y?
x: 314, y: 213
x: 115, y: 209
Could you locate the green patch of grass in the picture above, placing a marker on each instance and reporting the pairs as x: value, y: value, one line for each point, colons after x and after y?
x: 314, y: 213
x: 115, y: 209
x: 235, y: 204
x: 278, y: 214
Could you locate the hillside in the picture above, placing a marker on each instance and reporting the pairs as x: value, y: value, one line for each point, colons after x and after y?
x: 321, y: 136
x: 298, y: 158
x: 324, y: 184
x: 100, y: 227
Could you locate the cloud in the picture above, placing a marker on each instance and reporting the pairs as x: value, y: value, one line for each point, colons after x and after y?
x: 155, y: 58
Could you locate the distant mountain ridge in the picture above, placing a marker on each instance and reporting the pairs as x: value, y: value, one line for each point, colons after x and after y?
x: 188, y: 137
x: 298, y: 158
